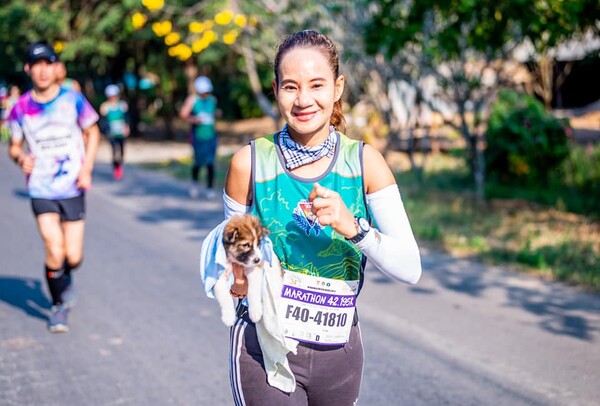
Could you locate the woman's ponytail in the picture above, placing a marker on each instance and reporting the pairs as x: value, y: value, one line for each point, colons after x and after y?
x: 337, y: 119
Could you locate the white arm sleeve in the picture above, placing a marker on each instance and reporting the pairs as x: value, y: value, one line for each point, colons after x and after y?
x: 393, y: 248
x: 232, y: 208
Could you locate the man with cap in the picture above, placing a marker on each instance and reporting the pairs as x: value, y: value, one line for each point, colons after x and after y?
x: 114, y: 112
x: 58, y: 129
x: 200, y: 110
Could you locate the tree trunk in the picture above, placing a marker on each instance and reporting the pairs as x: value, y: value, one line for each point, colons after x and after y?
x: 475, y: 157
x: 253, y: 77
x: 479, y: 170
x: 544, y: 82
x: 134, y: 108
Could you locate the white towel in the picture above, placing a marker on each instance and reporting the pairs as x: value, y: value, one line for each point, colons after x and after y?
x: 273, y: 343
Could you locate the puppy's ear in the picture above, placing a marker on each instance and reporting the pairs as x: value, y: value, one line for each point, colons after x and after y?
x: 258, y: 226
x: 229, y: 236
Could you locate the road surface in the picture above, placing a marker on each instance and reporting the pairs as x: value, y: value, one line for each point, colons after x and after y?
x: 143, y: 332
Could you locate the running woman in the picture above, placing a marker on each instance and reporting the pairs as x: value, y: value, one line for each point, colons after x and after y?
x: 58, y: 128
x: 329, y: 202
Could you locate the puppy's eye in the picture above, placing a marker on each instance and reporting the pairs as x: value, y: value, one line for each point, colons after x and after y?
x: 245, y: 245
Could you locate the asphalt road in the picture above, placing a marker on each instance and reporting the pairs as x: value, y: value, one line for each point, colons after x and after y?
x: 143, y: 332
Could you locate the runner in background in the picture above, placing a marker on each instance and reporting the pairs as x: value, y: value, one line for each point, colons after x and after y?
x: 115, y: 115
x: 58, y: 129
x: 4, y: 110
x: 63, y: 80
x: 8, y: 103
x: 200, y: 110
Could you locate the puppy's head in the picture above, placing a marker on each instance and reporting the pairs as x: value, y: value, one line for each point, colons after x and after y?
x: 241, y: 238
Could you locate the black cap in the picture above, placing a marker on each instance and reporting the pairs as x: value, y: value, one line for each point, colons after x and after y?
x: 40, y: 50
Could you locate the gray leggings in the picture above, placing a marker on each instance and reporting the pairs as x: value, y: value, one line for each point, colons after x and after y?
x: 325, y: 375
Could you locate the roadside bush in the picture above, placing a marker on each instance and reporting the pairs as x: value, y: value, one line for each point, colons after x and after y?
x: 524, y: 142
x: 581, y: 175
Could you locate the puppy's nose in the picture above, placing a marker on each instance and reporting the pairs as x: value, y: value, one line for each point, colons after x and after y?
x: 256, y: 260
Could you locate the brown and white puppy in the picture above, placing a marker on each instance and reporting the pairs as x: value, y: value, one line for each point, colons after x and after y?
x: 241, y: 238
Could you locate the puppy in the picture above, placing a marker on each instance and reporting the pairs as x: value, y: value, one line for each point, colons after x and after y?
x: 241, y: 238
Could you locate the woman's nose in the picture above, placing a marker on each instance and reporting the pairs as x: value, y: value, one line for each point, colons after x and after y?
x: 303, y: 98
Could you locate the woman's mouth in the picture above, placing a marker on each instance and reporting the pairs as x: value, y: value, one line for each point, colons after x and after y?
x: 304, y: 116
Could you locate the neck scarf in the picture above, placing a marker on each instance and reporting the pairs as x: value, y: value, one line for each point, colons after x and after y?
x: 296, y: 155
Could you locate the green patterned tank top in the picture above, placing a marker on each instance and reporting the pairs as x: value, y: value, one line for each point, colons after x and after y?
x: 281, y: 202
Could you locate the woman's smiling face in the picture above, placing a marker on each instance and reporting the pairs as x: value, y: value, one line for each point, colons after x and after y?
x: 306, y: 92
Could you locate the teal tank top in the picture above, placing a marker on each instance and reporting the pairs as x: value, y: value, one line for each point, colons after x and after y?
x: 116, y: 119
x: 205, y: 110
x: 280, y: 201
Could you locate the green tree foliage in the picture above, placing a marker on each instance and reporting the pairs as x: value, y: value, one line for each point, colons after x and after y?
x: 438, y: 26
x: 90, y: 32
x: 525, y: 143
x: 21, y: 22
x: 457, y: 41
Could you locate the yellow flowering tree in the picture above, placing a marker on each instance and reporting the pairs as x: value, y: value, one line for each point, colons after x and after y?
x: 208, y: 33
x: 184, y: 33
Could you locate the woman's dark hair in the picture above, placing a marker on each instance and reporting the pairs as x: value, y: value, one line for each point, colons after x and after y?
x: 314, y: 39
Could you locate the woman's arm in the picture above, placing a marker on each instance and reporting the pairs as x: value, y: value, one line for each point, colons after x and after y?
x: 392, y: 247
x: 238, y: 182
x: 238, y: 196
x: 186, y: 111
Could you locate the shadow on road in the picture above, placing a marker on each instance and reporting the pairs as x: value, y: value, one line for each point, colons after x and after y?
x: 560, y: 314
x: 558, y: 309
x: 162, y: 199
x: 21, y: 193
x: 25, y: 294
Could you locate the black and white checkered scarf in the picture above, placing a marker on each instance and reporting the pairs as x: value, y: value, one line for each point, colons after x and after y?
x: 297, y: 155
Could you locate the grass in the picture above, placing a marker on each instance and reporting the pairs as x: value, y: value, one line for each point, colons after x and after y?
x: 530, y: 237
x: 524, y: 236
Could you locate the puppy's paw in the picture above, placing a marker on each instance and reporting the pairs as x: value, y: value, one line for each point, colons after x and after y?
x: 255, y: 313
x: 228, y: 318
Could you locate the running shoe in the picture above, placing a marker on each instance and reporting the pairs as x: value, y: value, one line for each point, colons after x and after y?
x: 118, y: 173
x: 210, y: 193
x: 58, y: 322
x: 194, y: 191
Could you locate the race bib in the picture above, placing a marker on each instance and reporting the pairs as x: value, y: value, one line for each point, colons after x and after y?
x: 317, y: 310
x: 117, y: 127
x: 206, y: 118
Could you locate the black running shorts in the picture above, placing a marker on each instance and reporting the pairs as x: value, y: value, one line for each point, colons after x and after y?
x: 72, y: 209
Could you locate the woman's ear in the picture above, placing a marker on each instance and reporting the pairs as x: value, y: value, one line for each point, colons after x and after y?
x: 274, y: 85
x: 340, y: 83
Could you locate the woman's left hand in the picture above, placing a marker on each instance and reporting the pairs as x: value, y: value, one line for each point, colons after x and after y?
x: 239, y: 289
x: 331, y: 210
